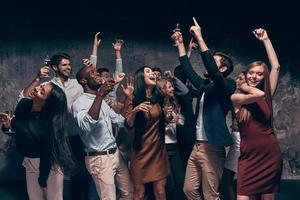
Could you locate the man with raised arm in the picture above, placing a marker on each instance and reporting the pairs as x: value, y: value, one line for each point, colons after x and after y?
x: 206, y: 161
x: 95, y: 118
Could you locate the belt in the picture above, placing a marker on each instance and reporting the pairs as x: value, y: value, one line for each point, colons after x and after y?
x: 101, y: 153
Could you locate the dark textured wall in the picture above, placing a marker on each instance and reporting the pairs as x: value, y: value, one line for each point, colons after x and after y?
x: 32, y: 31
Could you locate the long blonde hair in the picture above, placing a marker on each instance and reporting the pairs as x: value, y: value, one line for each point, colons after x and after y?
x: 162, y: 85
x: 264, y: 85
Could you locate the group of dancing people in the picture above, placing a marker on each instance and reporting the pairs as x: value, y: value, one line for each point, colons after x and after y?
x: 153, y: 144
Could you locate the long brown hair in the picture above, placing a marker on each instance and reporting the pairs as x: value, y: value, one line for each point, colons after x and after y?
x: 264, y: 85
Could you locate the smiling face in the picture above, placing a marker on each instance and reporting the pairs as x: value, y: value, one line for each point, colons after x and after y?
x: 149, y: 77
x: 93, y: 78
x: 255, y: 75
x: 169, y: 89
x: 63, y: 69
x: 41, y: 93
x: 105, y: 76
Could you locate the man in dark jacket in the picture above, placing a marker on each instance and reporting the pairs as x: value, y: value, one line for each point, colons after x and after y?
x: 206, y: 161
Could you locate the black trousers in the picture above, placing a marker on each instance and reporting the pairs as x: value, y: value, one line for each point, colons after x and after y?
x: 175, y: 180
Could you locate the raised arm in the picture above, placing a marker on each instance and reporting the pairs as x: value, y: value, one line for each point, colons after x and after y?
x: 196, y: 80
x: 262, y: 35
x: 96, y: 44
x: 213, y: 70
x: 117, y: 45
x: 96, y: 106
x: 119, y: 75
x: 192, y: 46
x: 208, y: 60
x: 43, y: 72
x: 128, y: 92
x: 196, y: 32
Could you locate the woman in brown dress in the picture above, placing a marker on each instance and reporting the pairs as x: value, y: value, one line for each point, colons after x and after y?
x: 148, y: 159
x: 260, y: 163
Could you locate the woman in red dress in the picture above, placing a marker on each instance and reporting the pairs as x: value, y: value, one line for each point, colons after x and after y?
x: 260, y: 163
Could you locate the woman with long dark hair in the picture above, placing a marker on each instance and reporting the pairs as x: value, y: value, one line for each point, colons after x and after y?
x: 149, y: 160
x: 260, y: 163
x: 39, y: 124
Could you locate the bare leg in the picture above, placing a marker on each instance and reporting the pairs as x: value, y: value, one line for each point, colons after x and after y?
x: 159, y: 189
x: 139, y: 192
x: 268, y: 197
x: 241, y: 197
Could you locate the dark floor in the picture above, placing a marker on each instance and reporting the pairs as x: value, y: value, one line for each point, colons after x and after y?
x: 16, y: 190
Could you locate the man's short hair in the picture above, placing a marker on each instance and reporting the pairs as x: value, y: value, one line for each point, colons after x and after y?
x: 56, y: 58
x: 156, y: 69
x: 226, y: 61
x: 102, y: 69
x: 79, y: 74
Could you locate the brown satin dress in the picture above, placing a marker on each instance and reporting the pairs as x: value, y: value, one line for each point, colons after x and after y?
x: 150, y: 163
x: 260, y: 163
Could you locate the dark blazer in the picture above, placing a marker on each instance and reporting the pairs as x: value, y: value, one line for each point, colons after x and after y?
x: 186, y: 133
x: 217, y: 101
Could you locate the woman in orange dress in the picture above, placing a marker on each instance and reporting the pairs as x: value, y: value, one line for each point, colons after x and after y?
x: 148, y: 159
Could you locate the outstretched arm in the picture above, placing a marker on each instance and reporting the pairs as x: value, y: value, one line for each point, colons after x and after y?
x: 96, y: 106
x: 96, y: 44
x: 118, y: 74
x: 117, y: 47
x: 196, y: 32
x: 262, y: 35
x: 35, y: 82
x: 196, y: 80
x: 192, y: 46
x: 210, y: 63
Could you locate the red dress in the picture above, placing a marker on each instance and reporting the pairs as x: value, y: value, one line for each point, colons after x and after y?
x: 260, y: 163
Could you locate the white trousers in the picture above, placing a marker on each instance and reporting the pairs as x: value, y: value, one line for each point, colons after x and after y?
x: 54, y: 182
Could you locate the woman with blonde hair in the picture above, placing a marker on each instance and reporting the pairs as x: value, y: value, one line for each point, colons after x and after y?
x: 175, y: 179
x: 260, y: 162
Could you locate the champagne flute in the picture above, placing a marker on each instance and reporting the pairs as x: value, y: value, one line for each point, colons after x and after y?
x: 47, y: 62
x: 10, y: 115
x: 118, y: 40
x: 176, y: 29
x: 169, y: 116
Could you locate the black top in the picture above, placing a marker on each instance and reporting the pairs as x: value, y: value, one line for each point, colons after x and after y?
x: 216, y: 98
x: 32, y: 136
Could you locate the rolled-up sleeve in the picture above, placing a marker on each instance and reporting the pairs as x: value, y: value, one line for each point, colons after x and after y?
x: 84, y: 121
x: 119, y: 65
x: 93, y: 59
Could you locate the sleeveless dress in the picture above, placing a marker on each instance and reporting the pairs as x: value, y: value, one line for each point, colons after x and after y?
x: 150, y: 163
x: 260, y: 162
